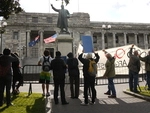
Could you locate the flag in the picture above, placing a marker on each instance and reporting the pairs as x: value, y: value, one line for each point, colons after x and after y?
x: 50, y: 39
x: 33, y: 42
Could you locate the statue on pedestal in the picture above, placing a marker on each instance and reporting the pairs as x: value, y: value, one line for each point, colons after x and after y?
x: 63, y: 16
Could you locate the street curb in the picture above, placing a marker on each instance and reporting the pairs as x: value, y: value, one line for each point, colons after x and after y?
x: 137, y: 95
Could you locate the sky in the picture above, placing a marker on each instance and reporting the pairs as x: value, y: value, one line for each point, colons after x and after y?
x: 135, y: 11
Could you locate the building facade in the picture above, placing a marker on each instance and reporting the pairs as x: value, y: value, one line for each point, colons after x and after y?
x: 24, y: 27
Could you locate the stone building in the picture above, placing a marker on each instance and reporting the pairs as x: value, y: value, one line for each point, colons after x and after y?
x: 24, y: 27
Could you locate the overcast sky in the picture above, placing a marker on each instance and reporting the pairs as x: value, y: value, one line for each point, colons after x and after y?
x: 137, y: 11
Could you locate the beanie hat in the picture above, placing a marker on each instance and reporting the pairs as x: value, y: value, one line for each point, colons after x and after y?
x: 58, y: 53
x: 89, y: 55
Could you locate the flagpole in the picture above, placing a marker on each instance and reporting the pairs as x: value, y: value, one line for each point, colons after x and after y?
x: 49, y: 5
x: 78, y: 5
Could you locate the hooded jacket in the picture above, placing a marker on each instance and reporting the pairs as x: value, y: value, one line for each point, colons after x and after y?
x: 85, y: 63
x: 110, y: 67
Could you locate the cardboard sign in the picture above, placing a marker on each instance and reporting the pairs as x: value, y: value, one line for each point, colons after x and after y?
x: 87, y: 43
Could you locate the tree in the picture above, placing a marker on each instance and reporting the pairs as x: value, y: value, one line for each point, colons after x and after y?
x: 8, y: 7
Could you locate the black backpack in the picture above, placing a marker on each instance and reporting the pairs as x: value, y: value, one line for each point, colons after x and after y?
x: 4, y: 66
x: 46, y: 64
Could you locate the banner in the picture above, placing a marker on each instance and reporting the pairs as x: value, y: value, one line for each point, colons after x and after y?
x: 122, y: 58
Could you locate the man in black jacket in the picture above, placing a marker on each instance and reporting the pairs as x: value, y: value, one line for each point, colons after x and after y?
x: 89, y: 81
x: 58, y: 66
x: 134, y: 68
x: 6, y: 76
x: 73, y: 74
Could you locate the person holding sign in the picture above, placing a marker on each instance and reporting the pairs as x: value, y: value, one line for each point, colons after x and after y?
x: 146, y: 59
x: 134, y: 68
x: 110, y: 74
x: 89, y: 81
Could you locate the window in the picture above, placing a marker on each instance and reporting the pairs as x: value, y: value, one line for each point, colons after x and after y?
x: 15, y: 36
x: 34, y: 52
x: 49, y: 19
x: 127, y: 39
x: 138, y: 39
x: 94, y: 39
x: 105, y: 38
x: 117, y: 39
x: 35, y: 19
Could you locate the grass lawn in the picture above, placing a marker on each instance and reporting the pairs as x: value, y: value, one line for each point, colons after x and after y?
x: 34, y: 103
x: 144, y: 91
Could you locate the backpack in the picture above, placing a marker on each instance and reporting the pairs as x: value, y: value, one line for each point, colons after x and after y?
x: 4, y: 67
x: 46, y: 64
x: 92, y: 68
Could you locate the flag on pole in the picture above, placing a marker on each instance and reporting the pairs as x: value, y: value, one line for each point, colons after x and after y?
x: 50, y: 39
x: 33, y: 42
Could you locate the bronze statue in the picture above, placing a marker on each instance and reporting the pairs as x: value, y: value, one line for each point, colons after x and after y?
x: 63, y: 16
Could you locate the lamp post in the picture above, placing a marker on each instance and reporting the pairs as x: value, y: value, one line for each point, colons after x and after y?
x: 2, y: 30
x: 105, y: 28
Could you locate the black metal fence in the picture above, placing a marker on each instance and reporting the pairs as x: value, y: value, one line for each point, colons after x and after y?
x: 31, y: 75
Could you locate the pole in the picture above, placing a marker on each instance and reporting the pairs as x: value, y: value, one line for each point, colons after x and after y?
x: 49, y: 5
x: 78, y: 5
x: 1, y: 43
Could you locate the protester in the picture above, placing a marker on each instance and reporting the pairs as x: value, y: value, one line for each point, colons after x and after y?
x: 17, y: 76
x: 110, y: 74
x: 134, y: 68
x: 89, y: 81
x: 146, y: 59
x: 58, y: 67
x: 73, y: 70
x: 6, y: 76
x: 45, y: 74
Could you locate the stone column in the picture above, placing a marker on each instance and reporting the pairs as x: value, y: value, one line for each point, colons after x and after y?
x: 103, y: 41
x: 114, y: 39
x: 41, y: 49
x: 27, y: 43
x: 125, y: 38
x: 145, y: 41
x: 135, y: 38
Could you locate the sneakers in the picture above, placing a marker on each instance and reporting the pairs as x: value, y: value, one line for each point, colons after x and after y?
x: 136, y: 92
x: 47, y: 94
x: 107, y: 93
x: 65, y: 103
x: 43, y: 94
x: 92, y: 103
x: 112, y: 96
x: 84, y: 104
x: 10, y: 104
x: 15, y: 92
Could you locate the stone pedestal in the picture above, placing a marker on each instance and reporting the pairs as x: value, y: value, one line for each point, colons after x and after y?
x: 64, y: 44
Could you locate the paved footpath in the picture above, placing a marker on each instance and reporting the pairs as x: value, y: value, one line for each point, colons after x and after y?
x: 124, y: 103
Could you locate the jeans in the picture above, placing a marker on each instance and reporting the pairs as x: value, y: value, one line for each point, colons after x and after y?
x: 133, y: 80
x: 89, y: 82
x: 148, y: 79
x: 111, y: 86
